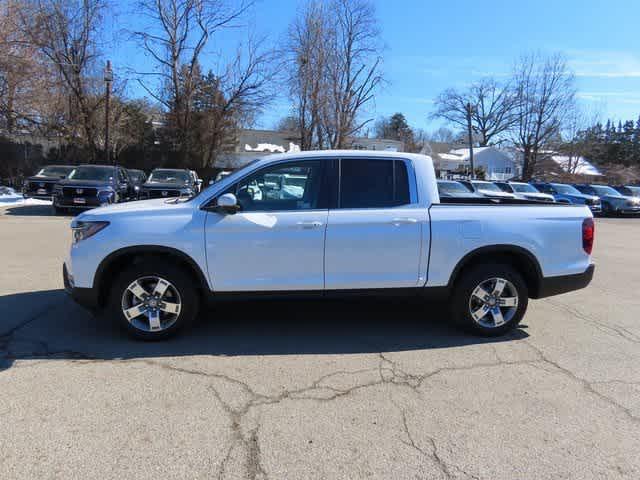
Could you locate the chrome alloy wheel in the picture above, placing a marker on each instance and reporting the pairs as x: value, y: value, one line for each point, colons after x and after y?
x: 493, y: 302
x: 151, y: 304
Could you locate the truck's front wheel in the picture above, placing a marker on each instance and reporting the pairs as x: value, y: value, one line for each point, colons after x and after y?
x: 489, y: 299
x: 153, y: 300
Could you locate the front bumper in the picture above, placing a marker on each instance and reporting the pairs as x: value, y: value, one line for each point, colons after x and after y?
x: 37, y: 197
x: 90, y: 202
x: 86, y: 297
x: 550, y: 286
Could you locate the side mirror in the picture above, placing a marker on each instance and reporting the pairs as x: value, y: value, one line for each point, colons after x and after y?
x: 228, y: 203
x: 211, y: 182
x: 199, y: 181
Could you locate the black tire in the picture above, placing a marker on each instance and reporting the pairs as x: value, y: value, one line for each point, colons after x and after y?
x: 469, y: 279
x: 174, y: 274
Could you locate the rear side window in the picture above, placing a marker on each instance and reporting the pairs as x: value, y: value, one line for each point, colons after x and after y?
x: 369, y: 183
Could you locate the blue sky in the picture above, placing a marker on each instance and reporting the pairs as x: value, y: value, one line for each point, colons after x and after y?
x: 430, y: 46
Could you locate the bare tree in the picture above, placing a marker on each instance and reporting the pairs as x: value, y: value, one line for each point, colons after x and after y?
x: 175, y: 40
x: 545, y: 93
x: 354, y: 71
x: 492, y: 109
x: 307, y: 48
x: 334, y: 55
x: 65, y: 34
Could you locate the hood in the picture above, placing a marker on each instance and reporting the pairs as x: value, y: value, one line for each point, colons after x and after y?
x: 85, y: 183
x: 621, y: 198
x: 583, y: 196
x: 460, y: 195
x: 165, y: 186
x: 139, y: 207
x: 492, y: 193
x: 41, y: 178
x: 537, y: 195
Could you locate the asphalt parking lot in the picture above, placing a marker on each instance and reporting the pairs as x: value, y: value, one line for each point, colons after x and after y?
x: 309, y: 390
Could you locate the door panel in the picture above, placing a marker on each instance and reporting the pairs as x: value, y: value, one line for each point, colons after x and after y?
x: 373, y: 248
x: 266, y: 251
x: 276, y: 241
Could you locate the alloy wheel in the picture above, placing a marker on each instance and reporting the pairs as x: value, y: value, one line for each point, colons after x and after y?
x: 151, y: 304
x: 493, y: 302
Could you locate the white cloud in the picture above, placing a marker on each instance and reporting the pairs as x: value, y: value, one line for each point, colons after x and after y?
x: 604, y: 64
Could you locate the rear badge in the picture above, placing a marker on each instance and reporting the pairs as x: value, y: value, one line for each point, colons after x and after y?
x: 79, y: 191
x: 164, y: 194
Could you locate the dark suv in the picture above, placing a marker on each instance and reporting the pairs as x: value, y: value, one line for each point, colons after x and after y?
x: 138, y: 177
x: 90, y: 186
x: 169, y: 182
x: 41, y: 184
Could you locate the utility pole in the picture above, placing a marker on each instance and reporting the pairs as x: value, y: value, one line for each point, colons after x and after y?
x: 469, y: 109
x: 108, y: 78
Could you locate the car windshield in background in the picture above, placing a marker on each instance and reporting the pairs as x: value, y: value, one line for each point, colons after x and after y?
x: 603, y: 190
x: 168, y: 176
x: 452, y: 187
x: 524, y: 188
x: 566, y: 189
x: 487, y: 186
x: 635, y: 191
x: 54, y: 171
x: 103, y: 174
x: 135, y: 176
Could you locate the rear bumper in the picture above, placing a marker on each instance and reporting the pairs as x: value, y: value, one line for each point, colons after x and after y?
x: 550, y: 286
x: 86, y: 297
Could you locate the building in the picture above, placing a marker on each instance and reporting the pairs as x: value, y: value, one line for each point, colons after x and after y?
x: 251, y: 144
x: 497, y: 164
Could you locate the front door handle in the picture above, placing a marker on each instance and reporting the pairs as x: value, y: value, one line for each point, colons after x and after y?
x: 309, y: 225
x: 401, y: 221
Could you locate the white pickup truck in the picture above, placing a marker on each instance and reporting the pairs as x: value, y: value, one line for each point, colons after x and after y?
x: 326, y: 223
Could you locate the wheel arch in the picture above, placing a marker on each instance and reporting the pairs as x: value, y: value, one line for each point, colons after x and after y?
x: 119, y: 259
x: 522, y: 260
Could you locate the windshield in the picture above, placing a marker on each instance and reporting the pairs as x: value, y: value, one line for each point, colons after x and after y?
x: 228, y: 176
x: 451, y: 187
x: 54, y: 172
x: 487, y: 186
x: 135, y: 175
x: 604, y: 190
x: 168, y: 176
x: 566, y: 189
x: 635, y: 191
x: 103, y: 174
x: 524, y: 188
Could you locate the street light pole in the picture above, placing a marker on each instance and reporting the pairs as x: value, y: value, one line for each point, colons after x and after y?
x: 108, y: 78
x: 469, y: 109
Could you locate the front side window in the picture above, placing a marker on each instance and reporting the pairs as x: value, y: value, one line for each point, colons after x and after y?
x: 369, y: 183
x: 282, y: 187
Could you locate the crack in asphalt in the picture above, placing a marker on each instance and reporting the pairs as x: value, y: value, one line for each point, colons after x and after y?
x: 388, y: 373
x: 615, y: 330
x: 586, y: 385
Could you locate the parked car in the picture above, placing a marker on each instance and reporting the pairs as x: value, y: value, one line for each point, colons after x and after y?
x: 169, y: 182
x: 525, y: 191
x: 222, y: 174
x: 90, y: 186
x: 453, y: 189
x: 486, y: 189
x: 367, y: 223
x: 613, y: 202
x: 568, y: 194
x: 137, y: 177
x: 629, y: 190
x: 41, y: 184
x: 197, y: 181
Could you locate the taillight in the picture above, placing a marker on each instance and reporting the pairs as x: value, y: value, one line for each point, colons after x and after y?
x: 588, y: 234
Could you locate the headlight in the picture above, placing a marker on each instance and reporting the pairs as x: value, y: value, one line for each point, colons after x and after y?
x: 105, y: 193
x: 83, y: 230
x: 136, y: 188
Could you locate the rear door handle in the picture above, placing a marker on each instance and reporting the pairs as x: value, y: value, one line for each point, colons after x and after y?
x: 309, y: 225
x: 401, y: 221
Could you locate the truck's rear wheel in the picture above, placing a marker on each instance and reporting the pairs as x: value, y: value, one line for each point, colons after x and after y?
x: 489, y: 299
x: 153, y: 301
